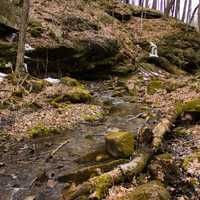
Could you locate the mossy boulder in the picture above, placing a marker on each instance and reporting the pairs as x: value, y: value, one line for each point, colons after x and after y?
x: 9, y: 14
x: 120, y: 144
x: 149, y: 191
x: 36, y: 85
x: 35, y: 28
x: 76, y: 94
x: 154, y: 86
x: 40, y: 130
x: 69, y: 81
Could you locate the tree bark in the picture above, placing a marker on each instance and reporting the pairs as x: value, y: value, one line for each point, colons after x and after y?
x: 147, y: 3
x: 193, y: 14
x: 199, y: 16
x: 154, y: 5
x: 22, y: 37
x: 177, y: 10
x: 189, y: 11
x: 169, y: 7
x: 184, y: 10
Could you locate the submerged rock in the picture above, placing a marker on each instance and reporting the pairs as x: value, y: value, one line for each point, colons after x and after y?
x: 120, y: 144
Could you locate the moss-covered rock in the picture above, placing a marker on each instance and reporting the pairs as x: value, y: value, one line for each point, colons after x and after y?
x: 36, y: 85
x: 150, y: 191
x: 120, y: 144
x: 35, y: 28
x: 40, y: 130
x: 76, y: 94
x: 20, y: 92
x: 9, y: 14
x: 154, y: 86
x: 190, y: 106
x: 69, y: 81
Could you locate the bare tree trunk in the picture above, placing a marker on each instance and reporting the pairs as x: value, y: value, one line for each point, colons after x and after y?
x: 184, y: 10
x: 169, y: 7
x: 147, y: 4
x: 193, y: 14
x: 189, y: 11
x: 199, y: 16
x: 154, y: 5
x: 141, y: 3
x: 162, y: 5
x: 177, y: 10
x: 22, y: 37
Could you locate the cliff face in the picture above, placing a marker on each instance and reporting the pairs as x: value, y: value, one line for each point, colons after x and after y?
x: 9, y: 14
x: 83, y: 37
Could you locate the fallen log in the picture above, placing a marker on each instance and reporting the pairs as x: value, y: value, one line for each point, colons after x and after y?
x: 98, y: 186
x: 161, y: 128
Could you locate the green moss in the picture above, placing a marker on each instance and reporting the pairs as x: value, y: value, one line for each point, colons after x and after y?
x: 102, y: 184
x: 35, y: 28
x: 19, y: 92
x: 41, y: 130
x: 74, y: 95
x: 95, y: 117
x: 165, y: 157
x: 69, y: 81
x: 83, y: 174
x: 190, y: 106
x: 120, y: 144
x: 89, y: 137
x: 37, y: 85
x: 179, y: 132
x: 190, y: 158
x: 154, y: 86
x: 150, y: 191
x: 7, y: 104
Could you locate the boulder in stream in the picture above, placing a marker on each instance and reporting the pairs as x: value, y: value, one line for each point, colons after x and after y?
x: 120, y: 144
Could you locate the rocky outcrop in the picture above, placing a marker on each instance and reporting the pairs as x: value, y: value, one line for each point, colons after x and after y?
x: 9, y: 15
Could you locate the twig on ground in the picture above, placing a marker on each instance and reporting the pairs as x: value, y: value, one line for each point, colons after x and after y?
x: 56, y: 150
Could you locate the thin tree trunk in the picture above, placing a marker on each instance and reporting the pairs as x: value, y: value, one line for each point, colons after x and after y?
x: 147, y: 4
x: 193, y: 14
x: 184, y: 10
x: 189, y: 11
x: 154, y: 5
x: 199, y: 16
x: 177, y: 10
x: 22, y: 37
x: 169, y: 7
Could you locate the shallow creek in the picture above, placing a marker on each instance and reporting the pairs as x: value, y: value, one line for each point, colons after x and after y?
x: 23, y: 169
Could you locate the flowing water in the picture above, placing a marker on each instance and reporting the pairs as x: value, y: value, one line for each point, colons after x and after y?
x: 23, y: 167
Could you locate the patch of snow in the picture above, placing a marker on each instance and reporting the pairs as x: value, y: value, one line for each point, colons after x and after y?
x: 52, y: 80
x: 28, y: 47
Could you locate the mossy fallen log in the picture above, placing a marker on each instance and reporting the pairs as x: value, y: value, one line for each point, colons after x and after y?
x: 98, y: 186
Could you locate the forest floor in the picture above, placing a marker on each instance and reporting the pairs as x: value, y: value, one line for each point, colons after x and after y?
x: 25, y: 170
x: 52, y: 135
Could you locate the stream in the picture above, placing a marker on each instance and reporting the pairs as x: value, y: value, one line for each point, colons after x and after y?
x: 23, y: 169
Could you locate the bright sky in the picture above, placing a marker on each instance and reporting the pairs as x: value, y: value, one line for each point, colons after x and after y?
x: 194, y: 3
